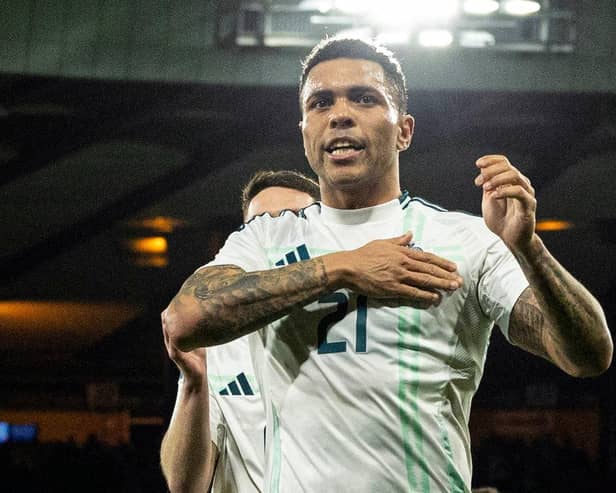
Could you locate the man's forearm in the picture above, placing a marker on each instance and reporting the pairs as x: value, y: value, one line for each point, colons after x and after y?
x: 561, y: 320
x: 187, y: 453
x: 219, y: 304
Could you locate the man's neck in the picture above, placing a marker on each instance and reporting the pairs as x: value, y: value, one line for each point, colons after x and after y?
x: 358, y: 199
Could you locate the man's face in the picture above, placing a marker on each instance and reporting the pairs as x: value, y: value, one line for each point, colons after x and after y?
x: 276, y: 199
x: 351, y: 127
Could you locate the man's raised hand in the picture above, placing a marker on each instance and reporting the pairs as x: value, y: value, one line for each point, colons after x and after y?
x: 508, y: 204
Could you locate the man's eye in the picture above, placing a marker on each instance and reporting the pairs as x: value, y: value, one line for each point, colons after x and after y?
x: 366, y: 99
x: 320, y: 103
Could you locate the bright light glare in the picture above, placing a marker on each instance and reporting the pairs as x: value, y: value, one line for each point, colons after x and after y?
x: 476, y: 39
x: 322, y: 6
x: 521, y: 7
x: 353, y: 6
x: 355, y: 32
x: 432, y: 8
x: 158, y: 224
x: 435, y: 38
x: 392, y: 37
x: 480, y: 7
x: 553, y: 225
x: 395, y: 11
x: 147, y: 245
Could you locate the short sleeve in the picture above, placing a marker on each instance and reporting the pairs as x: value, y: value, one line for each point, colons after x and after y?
x: 500, y: 284
x: 243, y: 248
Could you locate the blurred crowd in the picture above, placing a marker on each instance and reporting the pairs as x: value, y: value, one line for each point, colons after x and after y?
x: 511, y: 465
x: 67, y: 467
x: 540, y: 466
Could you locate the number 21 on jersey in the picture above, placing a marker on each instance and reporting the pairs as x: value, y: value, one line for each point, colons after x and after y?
x: 342, y: 307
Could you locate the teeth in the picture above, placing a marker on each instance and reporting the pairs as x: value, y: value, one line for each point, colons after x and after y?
x: 342, y: 146
x: 341, y: 150
x: 343, y: 143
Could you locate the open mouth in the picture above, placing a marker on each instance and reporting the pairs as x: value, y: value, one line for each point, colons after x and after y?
x: 343, y: 147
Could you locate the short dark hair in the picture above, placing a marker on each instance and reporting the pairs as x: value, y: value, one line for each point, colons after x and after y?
x: 282, y: 178
x: 359, y: 48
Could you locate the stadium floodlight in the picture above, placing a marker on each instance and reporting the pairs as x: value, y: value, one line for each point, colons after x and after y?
x: 435, y: 38
x: 397, y: 11
x: 353, y: 6
x: 432, y: 9
x: 480, y: 7
x: 521, y: 7
x: 497, y: 25
x: 476, y: 39
x: 323, y: 6
x: 394, y: 37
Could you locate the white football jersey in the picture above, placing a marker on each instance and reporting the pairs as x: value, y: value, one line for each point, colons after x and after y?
x: 237, y: 418
x: 364, y: 395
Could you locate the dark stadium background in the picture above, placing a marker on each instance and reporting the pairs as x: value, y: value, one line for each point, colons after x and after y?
x: 126, y: 132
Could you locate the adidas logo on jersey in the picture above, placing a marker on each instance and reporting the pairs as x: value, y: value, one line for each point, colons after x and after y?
x: 238, y: 386
x: 300, y: 253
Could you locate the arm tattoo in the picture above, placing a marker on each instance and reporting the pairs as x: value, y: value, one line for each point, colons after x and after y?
x: 527, y: 324
x: 233, y: 302
x: 557, y: 318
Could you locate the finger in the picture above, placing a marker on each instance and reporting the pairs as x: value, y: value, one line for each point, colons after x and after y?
x: 511, y: 177
x: 516, y: 192
x: 492, y: 170
x: 490, y: 159
x: 402, y: 240
x: 430, y: 259
x: 422, y: 298
x: 412, y: 265
x: 429, y: 282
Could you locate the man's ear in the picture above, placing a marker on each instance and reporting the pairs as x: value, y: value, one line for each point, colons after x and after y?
x: 405, y: 132
x: 301, y: 130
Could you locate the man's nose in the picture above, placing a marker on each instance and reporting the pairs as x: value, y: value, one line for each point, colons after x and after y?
x: 341, y: 116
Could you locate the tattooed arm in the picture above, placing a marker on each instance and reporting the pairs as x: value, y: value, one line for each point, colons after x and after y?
x: 221, y: 303
x: 557, y: 318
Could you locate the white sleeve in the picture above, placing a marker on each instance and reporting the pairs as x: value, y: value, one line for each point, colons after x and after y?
x: 500, y: 284
x: 216, y: 416
x: 243, y: 248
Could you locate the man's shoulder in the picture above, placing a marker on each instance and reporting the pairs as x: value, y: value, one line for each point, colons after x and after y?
x: 437, y: 212
x: 451, y: 225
